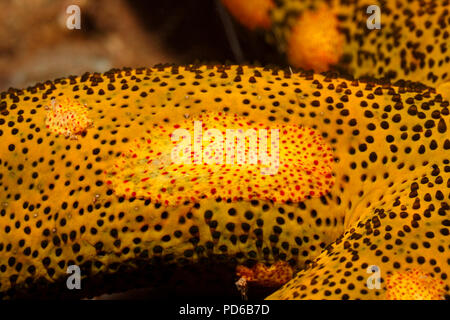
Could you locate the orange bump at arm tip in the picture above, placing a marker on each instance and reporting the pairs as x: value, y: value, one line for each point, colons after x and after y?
x: 260, y: 275
x: 253, y: 14
x: 315, y: 41
x: 68, y: 118
x: 414, y: 285
x: 297, y: 167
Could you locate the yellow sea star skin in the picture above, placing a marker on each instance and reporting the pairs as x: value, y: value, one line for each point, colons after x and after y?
x: 388, y: 205
x: 412, y: 42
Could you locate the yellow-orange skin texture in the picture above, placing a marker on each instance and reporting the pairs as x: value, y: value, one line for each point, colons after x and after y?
x: 388, y: 205
x: 412, y: 43
x: 315, y: 42
x: 414, y: 285
x: 206, y: 166
x: 67, y: 118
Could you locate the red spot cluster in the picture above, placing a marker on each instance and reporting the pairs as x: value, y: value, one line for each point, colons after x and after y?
x: 147, y: 170
x: 414, y: 284
x: 67, y: 117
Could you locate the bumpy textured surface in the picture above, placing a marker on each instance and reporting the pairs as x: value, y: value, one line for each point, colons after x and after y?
x: 274, y: 276
x: 67, y: 118
x: 281, y: 163
x: 414, y: 285
x: 315, y: 42
x: 411, y: 44
x: 388, y: 206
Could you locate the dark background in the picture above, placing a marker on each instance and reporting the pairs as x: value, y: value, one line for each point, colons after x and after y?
x: 35, y: 44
